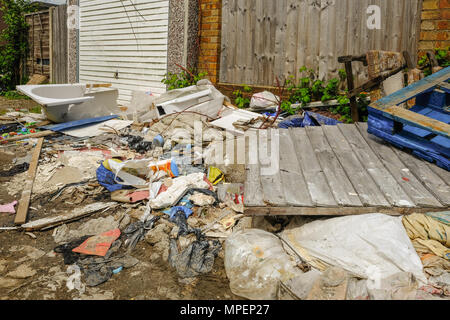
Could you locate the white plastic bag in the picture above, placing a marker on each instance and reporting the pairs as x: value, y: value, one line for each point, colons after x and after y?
x: 263, y: 100
x: 255, y: 262
x: 371, y: 246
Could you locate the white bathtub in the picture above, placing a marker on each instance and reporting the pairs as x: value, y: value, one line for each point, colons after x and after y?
x: 71, y: 102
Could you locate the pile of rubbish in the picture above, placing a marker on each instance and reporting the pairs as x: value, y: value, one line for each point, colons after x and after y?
x: 153, y: 169
x: 366, y: 257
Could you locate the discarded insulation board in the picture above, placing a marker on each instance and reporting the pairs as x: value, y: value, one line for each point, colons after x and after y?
x: 338, y: 170
x: 425, y: 128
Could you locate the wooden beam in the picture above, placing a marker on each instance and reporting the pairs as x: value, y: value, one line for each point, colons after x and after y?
x: 415, y: 119
x: 29, y: 136
x: 329, y: 211
x: 22, y: 211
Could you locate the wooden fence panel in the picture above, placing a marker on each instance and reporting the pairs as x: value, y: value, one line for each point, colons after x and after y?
x: 59, y: 45
x: 263, y: 39
x: 38, y: 61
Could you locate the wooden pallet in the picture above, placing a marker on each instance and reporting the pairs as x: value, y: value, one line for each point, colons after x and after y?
x: 425, y: 128
x: 339, y: 170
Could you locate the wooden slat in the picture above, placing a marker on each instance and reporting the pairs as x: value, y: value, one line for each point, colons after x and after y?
x: 22, y: 210
x: 418, y: 120
x: 293, y: 181
x: 316, y: 181
x: 338, y: 211
x: 253, y: 189
x: 341, y: 187
x: 430, y: 180
x: 413, y: 90
x: 272, y: 186
x: 392, y: 191
x: 404, y: 177
x: 363, y: 183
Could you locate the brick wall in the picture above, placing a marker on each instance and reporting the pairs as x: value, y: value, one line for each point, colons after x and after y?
x: 435, y: 27
x: 210, y: 26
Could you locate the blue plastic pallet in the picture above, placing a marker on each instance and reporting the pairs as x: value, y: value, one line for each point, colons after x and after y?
x: 425, y: 128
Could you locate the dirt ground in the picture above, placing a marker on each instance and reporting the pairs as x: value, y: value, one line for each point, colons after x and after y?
x: 30, y: 270
x: 147, y: 280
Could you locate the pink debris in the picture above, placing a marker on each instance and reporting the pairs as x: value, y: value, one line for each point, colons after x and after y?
x: 8, y: 208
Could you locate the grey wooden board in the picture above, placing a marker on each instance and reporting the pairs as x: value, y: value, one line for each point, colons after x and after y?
x: 341, y: 167
x: 402, y: 174
x: 253, y: 190
x: 341, y: 187
x: 273, y: 192
x: 295, y: 187
x: 363, y: 183
x: 316, y: 181
x: 442, y: 173
x: 427, y: 176
x: 392, y: 191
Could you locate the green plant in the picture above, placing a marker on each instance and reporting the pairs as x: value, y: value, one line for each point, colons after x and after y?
x: 442, y: 57
x: 185, y: 78
x: 14, y: 95
x: 240, y: 99
x: 14, y: 50
x: 37, y: 109
x: 309, y: 88
x: 344, y: 109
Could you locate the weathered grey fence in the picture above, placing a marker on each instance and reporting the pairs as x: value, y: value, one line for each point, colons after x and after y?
x: 263, y: 39
x: 59, y: 44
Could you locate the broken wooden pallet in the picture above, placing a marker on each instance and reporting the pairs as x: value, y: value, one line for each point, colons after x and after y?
x: 425, y: 128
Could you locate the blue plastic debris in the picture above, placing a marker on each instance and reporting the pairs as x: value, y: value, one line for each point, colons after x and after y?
x: 187, y: 212
x: 309, y: 119
x: 106, y: 179
x: 77, y: 123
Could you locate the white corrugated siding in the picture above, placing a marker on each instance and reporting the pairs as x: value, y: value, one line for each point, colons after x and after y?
x: 128, y: 37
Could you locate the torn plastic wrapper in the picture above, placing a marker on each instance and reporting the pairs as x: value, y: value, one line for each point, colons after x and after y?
x: 8, y: 208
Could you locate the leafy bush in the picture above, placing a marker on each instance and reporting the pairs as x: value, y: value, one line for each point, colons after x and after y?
x: 13, y: 95
x: 442, y: 57
x: 240, y: 100
x: 345, y: 110
x: 15, y: 37
x: 309, y: 88
x: 183, y: 79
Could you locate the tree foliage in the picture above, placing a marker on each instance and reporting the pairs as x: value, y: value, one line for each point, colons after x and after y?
x: 14, y: 39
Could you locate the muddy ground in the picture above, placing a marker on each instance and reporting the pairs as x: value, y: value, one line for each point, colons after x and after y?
x: 30, y: 270
x: 45, y: 274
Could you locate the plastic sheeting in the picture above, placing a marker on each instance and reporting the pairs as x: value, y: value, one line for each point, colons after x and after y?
x: 309, y: 119
x: 255, y: 262
x: 372, y: 246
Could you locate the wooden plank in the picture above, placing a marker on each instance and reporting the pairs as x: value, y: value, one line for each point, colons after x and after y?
x: 430, y: 180
x: 76, y: 214
x: 337, y: 211
x: 340, y: 185
x: 316, y: 181
x: 418, y: 120
x: 272, y: 186
x: 392, y: 191
x: 404, y: 177
x: 442, y: 173
x: 253, y: 189
x: 294, y: 184
x: 363, y: 183
x: 413, y: 90
x: 29, y: 136
x: 22, y: 210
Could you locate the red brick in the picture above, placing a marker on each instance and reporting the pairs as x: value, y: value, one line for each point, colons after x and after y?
x: 444, y: 4
x: 443, y: 25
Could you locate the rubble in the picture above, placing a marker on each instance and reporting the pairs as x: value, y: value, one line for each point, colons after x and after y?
x: 120, y: 198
